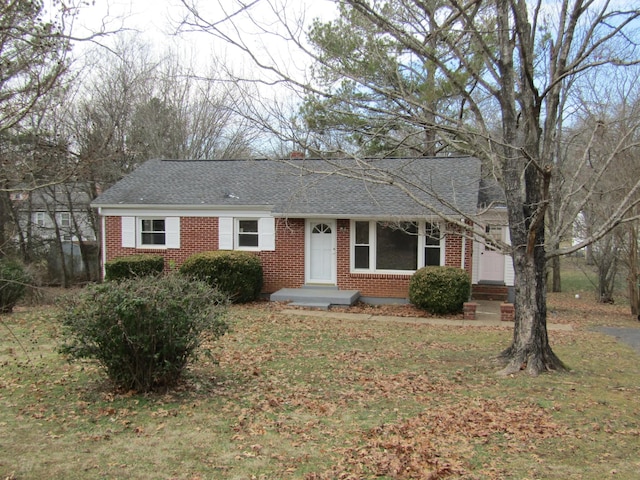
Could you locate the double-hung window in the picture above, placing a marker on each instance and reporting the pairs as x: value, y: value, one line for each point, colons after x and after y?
x: 39, y: 219
x: 432, y: 247
x: 241, y: 233
x: 153, y: 231
x: 247, y: 233
x: 64, y: 220
x: 362, y: 246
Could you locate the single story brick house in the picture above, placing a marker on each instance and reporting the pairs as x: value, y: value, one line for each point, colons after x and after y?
x: 358, y: 226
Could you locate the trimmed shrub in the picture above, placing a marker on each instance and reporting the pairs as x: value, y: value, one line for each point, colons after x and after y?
x: 133, y: 266
x: 440, y: 290
x: 14, y: 280
x: 235, y: 273
x: 142, y: 331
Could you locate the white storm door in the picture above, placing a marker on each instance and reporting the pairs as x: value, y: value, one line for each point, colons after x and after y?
x: 321, y: 251
x: 491, y: 261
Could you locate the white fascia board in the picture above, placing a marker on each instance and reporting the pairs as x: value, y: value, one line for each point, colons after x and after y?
x: 248, y: 211
x: 347, y: 216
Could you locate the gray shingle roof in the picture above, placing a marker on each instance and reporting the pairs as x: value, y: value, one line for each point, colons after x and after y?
x: 307, y: 187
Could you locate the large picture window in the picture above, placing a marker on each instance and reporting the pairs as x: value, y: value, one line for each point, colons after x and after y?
x: 395, y: 246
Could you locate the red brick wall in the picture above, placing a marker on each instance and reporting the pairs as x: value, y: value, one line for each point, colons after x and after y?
x: 453, y: 252
x: 284, y: 267
x: 196, y: 235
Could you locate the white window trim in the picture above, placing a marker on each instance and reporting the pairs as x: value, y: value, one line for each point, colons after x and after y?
x: 132, y: 232
x: 67, y: 218
x: 237, y: 233
x: 372, y: 248
x: 139, y: 232
x: 39, y: 219
x: 229, y: 230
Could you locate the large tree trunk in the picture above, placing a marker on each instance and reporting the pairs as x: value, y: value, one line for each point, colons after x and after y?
x: 530, y: 349
x: 526, y: 181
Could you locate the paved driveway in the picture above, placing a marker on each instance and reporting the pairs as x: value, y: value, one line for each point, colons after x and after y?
x: 630, y: 336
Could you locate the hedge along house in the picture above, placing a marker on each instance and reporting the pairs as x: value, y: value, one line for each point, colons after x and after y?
x: 335, y: 224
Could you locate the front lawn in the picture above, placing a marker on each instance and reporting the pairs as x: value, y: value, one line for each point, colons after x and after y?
x: 313, y: 398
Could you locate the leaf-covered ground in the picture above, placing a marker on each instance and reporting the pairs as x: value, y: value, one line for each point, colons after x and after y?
x: 285, y: 396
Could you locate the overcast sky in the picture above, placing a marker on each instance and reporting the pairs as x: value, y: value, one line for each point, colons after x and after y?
x: 156, y: 20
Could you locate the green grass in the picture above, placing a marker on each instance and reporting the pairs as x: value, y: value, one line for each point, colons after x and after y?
x: 297, y: 397
x: 577, y: 276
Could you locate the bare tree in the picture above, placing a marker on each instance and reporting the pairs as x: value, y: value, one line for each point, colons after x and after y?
x: 507, y: 62
x: 607, y: 132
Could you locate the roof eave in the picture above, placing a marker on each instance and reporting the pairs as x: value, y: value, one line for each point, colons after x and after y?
x: 187, y: 207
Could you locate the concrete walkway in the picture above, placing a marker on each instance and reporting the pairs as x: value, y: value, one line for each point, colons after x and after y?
x: 487, y: 315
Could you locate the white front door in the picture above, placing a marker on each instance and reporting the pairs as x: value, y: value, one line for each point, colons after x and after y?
x: 321, y: 251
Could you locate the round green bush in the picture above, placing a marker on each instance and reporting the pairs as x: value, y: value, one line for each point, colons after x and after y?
x: 133, y: 266
x: 14, y: 280
x: 142, y: 331
x: 440, y: 290
x: 235, y: 273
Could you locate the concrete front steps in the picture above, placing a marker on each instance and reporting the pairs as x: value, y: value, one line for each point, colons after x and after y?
x: 314, y: 296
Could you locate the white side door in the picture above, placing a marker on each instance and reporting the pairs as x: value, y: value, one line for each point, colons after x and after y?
x: 492, y: 261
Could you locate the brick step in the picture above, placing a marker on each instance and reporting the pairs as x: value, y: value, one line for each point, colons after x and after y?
x: 490, y: 292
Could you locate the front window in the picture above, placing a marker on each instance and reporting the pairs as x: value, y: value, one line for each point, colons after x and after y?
x: 248, y: 233
x: 362, y: 246
x: 396, y: 246
x: 153, y: 232
x: 432, y: 245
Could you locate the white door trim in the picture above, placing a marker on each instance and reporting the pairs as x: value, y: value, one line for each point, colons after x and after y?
x: 330, y: 269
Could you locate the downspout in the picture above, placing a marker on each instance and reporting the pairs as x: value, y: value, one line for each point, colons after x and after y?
x: 103, y: 241
x: 464, y: 252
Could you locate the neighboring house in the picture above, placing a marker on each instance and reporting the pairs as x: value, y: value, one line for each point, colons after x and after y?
x: 54, y: 222
x: 311, y: 222
x: 54, y: 211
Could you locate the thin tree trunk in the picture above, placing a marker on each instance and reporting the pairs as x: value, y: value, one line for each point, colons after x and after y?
x: 556, y: 281
x: 633, y: 279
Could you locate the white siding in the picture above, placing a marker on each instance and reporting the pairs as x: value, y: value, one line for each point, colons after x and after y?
x: 509, y: 273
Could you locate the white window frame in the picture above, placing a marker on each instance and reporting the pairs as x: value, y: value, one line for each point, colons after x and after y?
x: 373, y: 248
x: 64, y: 219
x: 238, y: 233
x: 39, y: 219
x: 140, y: 232
x: 132, y: 232
x: 229, y: 233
